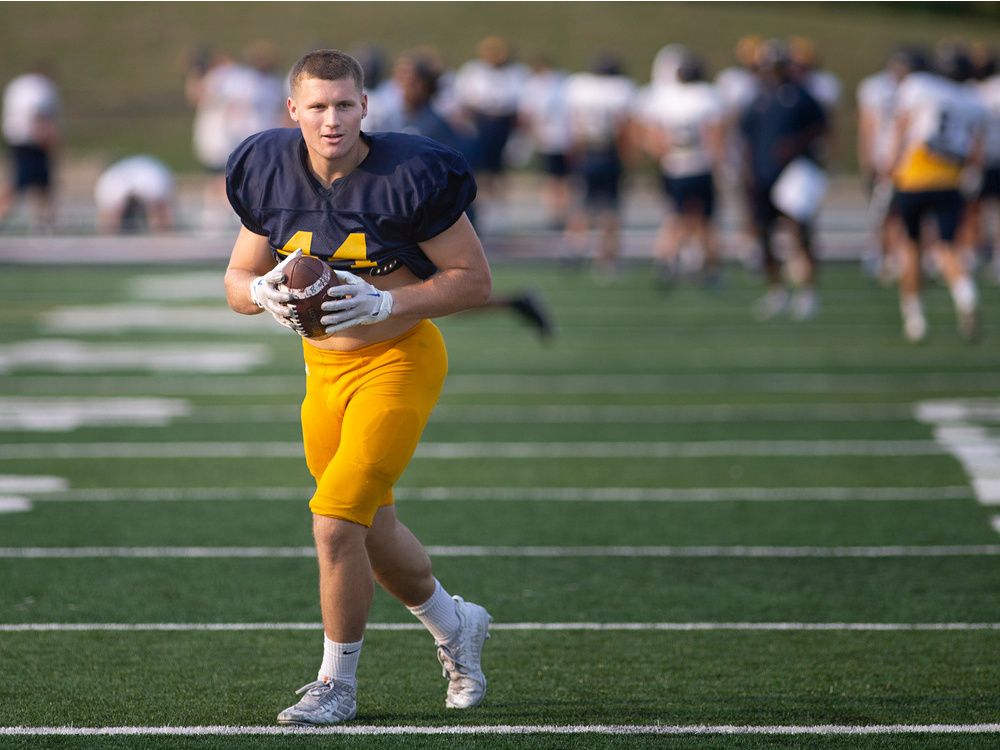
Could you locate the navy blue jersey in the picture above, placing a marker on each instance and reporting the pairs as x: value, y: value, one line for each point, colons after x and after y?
x: 407, y: 190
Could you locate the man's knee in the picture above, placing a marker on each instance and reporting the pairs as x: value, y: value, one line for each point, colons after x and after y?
x: 337, y: 538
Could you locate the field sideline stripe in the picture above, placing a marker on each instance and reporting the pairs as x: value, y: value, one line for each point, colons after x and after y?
x: 515, y: 494
x: 502, y: 729
x: 737, y: 551
x: 494, y: 450
x: 169, y: 627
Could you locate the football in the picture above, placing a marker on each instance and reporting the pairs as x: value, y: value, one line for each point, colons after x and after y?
x: 307, y: 279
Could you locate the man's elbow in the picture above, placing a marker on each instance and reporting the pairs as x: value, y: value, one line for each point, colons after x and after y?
x: 483, y: 288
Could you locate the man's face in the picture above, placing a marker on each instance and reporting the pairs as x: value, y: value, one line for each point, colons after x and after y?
x: 329, y: 114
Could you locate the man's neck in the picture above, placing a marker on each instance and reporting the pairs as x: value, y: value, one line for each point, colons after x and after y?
x: 329, y: 171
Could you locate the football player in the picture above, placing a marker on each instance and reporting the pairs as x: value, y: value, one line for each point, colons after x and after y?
x: 938, y: 133
x: 599, y: 106
x: 387, y: 212
x: 684, y: 132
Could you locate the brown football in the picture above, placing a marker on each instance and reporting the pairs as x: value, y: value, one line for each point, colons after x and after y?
x: 307, y: 279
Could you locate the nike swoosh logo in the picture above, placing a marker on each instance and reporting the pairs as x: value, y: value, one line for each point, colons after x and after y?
x: 348, y: 653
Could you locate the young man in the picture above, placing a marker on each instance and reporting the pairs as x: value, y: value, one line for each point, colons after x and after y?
x: 391, y: 206
x: 939, y: 126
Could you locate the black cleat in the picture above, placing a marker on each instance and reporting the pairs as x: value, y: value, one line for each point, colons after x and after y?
x: 530, y: 307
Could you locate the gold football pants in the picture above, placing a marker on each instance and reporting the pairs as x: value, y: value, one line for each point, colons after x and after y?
x: 362, y: 417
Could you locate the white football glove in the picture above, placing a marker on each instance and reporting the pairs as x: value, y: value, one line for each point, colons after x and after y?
x: 356, y: 303
x: 266, y: 293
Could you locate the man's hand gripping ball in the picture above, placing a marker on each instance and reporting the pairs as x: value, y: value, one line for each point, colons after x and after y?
x: 355, y: 303
x: 266, y: 292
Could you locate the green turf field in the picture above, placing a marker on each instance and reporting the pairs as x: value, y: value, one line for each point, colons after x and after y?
x: 677, y: 516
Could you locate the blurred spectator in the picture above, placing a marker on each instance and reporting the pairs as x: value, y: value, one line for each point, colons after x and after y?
x: 543, y: 115
x: 269, y: 88
x: 417, y: 75
x: 939, y: 130
x: 488, y: 89
x: 684, y: 128
x: 600, y: 106
x: 133, y: 195
x: 384, y: 98
x: 782, y: 129
x: 232, y: 102
x: 876, y: 98
x: 32, y: 131
x: 987, y: 221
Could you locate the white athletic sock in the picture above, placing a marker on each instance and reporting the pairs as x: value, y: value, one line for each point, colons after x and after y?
x: 910, y: 306
x: 340, y: 661
x: 963, y: 292
x: 438, y: 615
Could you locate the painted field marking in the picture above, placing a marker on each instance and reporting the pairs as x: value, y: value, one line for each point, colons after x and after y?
x: 706, y: 551
x: 493, y: 450
x: 196, y: 627
x: 958, y: 427
x: 14, y: 504
x: 518, y: 729
x: 521, y: 494
x: 36, y: 414
x: 543, y: 385
x: 70, y: 356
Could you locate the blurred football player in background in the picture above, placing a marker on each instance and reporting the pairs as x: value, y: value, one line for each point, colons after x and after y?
x: 939, y: 126
x: 985, y: 216
x: 391, y: 206
x: 876, y: 98
x: 683, y: 125
x: 33, y: 133
x: 487, y: 91
x: 783, y: 128
x: 542, y: 113
x: 599, y: 104
x: 135, y: 194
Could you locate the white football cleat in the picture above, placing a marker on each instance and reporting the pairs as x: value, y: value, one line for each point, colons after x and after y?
x: 773, y: 303
x: 914, y: 328
x: 461, y: 662
x: 805, y: 304
x: 324, y: 703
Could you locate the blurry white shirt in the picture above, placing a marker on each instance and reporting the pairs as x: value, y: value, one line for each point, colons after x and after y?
x: 543, y: 107
x: 877, y: 98
x: 490, y: 90
x: 598, y: 106
x: 143, y: 177
x: 228, y: 112
x: 989, y: 95
x: 26, y: 99
x: 683, y: 112
x: 385, y: 108
x: 824, y: 87
x: 943, y: 115
x: 737, y: 87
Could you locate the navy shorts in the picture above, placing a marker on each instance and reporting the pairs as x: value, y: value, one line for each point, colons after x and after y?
x: 946, y: 205
x: 31, y: 168
x: 691, y: 195
x: 991, y: 183
x: 602, y: 177
x: 492, y: 134
x: 555, y: 165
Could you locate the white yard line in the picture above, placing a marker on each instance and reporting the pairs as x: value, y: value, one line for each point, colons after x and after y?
x: 494, y: 450
x: 544, y: 385
x: 225, y: 627
x: 958, y: 427
x: 520, y: 494
x: 513, y: 729
x: 705, y: 551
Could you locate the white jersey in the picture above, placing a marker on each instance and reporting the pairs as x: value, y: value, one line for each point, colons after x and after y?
x: 227, y: 114
x: 385, y: 108
x: 488, y: 89
x: 738, y: 87
x: 877, y: 98
x: 142, y: 177
x: 989, y: 96
x: 599, y: 107
x: 683, y: 113
x: 824, y: 87
x: 943, y: 116
x: 26, y: 99
x: 543, y: 108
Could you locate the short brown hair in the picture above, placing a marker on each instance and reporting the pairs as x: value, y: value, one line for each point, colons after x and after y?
x: 327, y: 65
